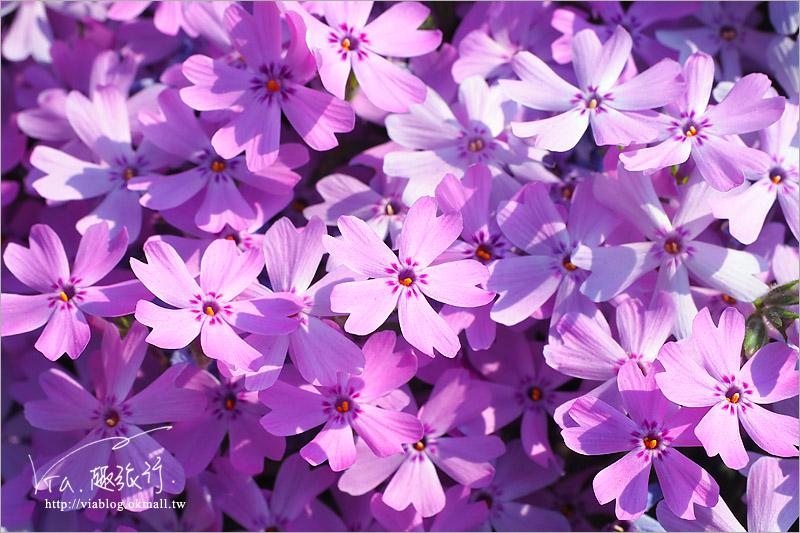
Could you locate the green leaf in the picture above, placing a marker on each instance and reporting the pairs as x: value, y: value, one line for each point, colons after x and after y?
x: 756, y: 334
x: 783, y: 295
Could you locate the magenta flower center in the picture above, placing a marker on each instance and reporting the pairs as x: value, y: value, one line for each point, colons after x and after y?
x: 406, y: 277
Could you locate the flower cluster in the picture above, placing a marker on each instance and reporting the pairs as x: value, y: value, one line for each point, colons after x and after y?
x: 494, y: 239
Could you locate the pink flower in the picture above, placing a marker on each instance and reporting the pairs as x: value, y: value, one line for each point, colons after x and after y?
x: 211, y: 308
x: 351, y: 404
x: 66, y: 295
x: 255, y: 97
x: 703, y: 371
x: 405, y: 282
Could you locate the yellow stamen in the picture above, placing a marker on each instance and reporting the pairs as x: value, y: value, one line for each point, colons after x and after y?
x: 273, y: 86
x: 691, y: 132
x: 776, y: 179
x: 671, y: 247
x: 389, y: 209
x: 406, y: 282
x: 346, y: 44
x: 650, y: 443
x: 217, y: 166
x: 734, y: 398
x: 209, y: 311
x: 63, y: 296
x: 128, y: 174
x: 111, y: 421
x: 419, y: 446
x: 476, y: 145
x: 592, y: 103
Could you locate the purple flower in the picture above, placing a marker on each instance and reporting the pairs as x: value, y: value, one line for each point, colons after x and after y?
x: 292, y: 505
x: 230, y: 410
x: 351, y: 404
x: 66, y: 295
x: 347, y: 41
x: 587, y: 349
x: 449, y: 140
x: 747, y: 207
x: 672, y: 245
x: 516, y: 476
x: 703, y: 371
x: 255, y: 97
x: 405, y: 282
x: 455, y: 399
x: 534, y: 225
x: 318, y: 349
x: 210, y: 309
x: 102, y: 124
x: 521, y: 384
x: 175, y: 129
x: 615, y: 113
x: 693, y: 129
x: 458, y: 514
x: 655, y: 427
x: 111, y: 416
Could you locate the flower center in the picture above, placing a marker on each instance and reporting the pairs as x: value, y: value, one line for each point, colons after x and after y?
x: 535, y: 394
x: 406, y: 277
x: 567, y: 510
x: 67, y: 293
x: 230, y: 401
x: 567, y: 262
x: 728, y: 299
x: 420, y: 445
x: 650, y: 443
x: 273, y: 86
x: 475, y: 145
x: 728, y: 33
x: 218, y: 166
x: 210, y: 307
x: 392, y: 207
x: 691, y: 131
x: 592, y: 104
x: 129, y: 174
x: 672, y: 246
x: 112, y: 418
x: 343, y: 406
x: 484, y: 252
x: 733, y: 395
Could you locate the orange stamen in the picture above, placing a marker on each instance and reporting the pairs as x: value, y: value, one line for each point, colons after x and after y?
x: 63, y: 296
x: 734, y: 398
x: 419, y: 446
x: 344, y: 408
x: 650, y: 443
x: 691, y: 132
x: 229, y: 403
x: 776, y: 179
x: 217, y: 166
x: 728, y: 299
x: 209, y: 311
x: 346, y: 44
x: 406, y: 282
x: 482, y: 253
x: 128, y: 174
x: 112, y: 421
x: 273, y: 86
x: 536, y: 395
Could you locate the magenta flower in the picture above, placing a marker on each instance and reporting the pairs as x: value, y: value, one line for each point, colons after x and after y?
x: 704, y: 371
x: 532, y: 223
x: 702, y: 132
x: 350, y: 404
x: 223, y: 183
x: 230, y: 410
x: 255, y: 97
x: 110, y: 416
x: 405, y: 282
x: 649, y: 437
x: 211, y: 308
x: 521, y: 385
x: 347, y: 41
x: 615, y: 112
x: 672, y: 245
x: 448, y: 139
x: 102, y: 124
x: 587, y: 349
x: 747, y: 207
x: 318, y: 349
x: 66, y: 295
x: 455, y: 399
x: 291, y: 506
